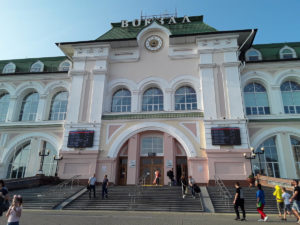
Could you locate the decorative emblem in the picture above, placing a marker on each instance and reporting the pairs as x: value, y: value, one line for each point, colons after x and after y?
x: 153, y: 43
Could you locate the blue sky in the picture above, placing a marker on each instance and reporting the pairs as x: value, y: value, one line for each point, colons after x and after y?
x: 30, y: 28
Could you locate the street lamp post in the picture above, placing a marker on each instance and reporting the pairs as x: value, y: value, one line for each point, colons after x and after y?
x: 262, y: 151
x: 252, y: 156
x: 60, y: 157
x: 42, y: 154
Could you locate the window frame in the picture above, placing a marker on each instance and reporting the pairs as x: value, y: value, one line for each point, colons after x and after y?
x: 259, y: 55
x: 59, y: 113
x: 7, y: 71
x: 159, y: 105
x: 34, y: 70
x: 123, y: 97
x: 290, y: 109
x: 257, y: 109
x: 292, y: 52
x: 193, y: 105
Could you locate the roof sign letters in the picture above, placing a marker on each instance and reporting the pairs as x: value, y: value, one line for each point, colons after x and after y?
x: 162, y: 20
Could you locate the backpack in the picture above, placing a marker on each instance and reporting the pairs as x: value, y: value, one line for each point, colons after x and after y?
x: 197, y: 188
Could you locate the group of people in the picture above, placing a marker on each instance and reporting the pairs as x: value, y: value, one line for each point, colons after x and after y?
x: 13, y: 211
x: 91, y: 186
x: 286, y: 204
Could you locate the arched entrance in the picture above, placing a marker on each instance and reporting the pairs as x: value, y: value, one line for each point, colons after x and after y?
x: 147, y: 151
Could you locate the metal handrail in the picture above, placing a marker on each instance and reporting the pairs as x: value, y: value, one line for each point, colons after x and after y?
x: 224, y: 192
x: 64, y: 184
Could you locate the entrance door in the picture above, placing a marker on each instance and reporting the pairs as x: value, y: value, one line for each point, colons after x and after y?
x: 148, y: 167
x: 123, y: 171
x: 181, y: 168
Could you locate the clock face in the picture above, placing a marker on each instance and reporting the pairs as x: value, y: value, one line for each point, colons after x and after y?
x: 153, y: 43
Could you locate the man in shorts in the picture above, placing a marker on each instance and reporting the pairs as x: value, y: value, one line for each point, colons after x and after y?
x: 296, y: 199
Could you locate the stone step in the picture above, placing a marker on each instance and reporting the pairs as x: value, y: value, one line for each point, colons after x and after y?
x: 161, y: 198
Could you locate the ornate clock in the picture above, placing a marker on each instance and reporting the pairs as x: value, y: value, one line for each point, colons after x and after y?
x: 153, y: 43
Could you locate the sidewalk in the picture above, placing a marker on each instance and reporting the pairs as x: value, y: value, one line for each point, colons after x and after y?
x: 43, y: 217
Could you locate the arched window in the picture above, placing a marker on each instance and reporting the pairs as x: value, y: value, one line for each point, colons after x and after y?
x: 18, y: 165
x: 153, y: 100
x: 152, y: 144
x: 121, y: 101
x: 287, y: 53
x: 296, y: 151
x: 290, y: 92
x: 185, y: 99
x: 29, y: 107
x: 4, y: 103
x: 65, y: 66
x: 9, y: 68
x: 267, y: 162
x: 253, y: 55
x: 58, y: 108
x: 256, y: 99
x: 19, y: 162
x: 37, y: 67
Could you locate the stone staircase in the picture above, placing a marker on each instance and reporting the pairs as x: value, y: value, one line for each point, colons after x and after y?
x: 45, y: 197
x: 132, y: 198
x: 222, y: 206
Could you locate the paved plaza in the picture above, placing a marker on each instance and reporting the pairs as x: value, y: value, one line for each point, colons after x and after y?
x: 43, y: 217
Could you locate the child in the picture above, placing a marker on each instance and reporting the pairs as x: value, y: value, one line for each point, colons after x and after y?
x: 14, y: 211
x: 287, y: 205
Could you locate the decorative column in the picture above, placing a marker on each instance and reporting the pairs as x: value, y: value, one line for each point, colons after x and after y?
x: 135, y: 101
x: 41, y: 108
x: 168, y: 103
x: 168, y: 156
x: 275, y: 100
x: 133, y: 158
x: 12, y: 113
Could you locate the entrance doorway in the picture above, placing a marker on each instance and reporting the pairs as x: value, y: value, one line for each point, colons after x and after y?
x: 148, y: 166
x: 123, y: 170
x: 181, y: 168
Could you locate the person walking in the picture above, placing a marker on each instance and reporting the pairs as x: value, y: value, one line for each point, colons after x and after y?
x: 287, y: 205
x: 92, y: 185
x: 156, y: 177
x: 280, y: 205
x: 296, y: 200
x: 4, y: 198
x: 170, y: 174
x: 104, y: 187
x: 260, y: 203
x: 239, y: 202
x: 15, y: 210
x: 184, y: 185
x: 192, y: 185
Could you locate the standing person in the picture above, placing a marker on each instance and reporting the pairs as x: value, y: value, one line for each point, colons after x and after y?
x: 184, y: 185
x: 92, y: 185
x: 296, y: 199
x: 239, y: 202
x: 156, y: 178
x: 104, y: 187
x: 15, y: 210
x: 192, y: 185
x: 280, y: 205
x: 260, y: 203
x: 170, y: 174
x: 287, y: 206
x: 4, y: 204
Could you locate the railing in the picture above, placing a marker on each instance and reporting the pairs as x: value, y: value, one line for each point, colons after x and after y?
x: 224, y: 193
x: 137, y: 191
x: 63, y: 185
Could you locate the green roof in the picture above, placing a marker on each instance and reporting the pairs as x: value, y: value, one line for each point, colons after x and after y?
x: 51, y: 64
x: 194, y: 27
x: 271, y: 51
